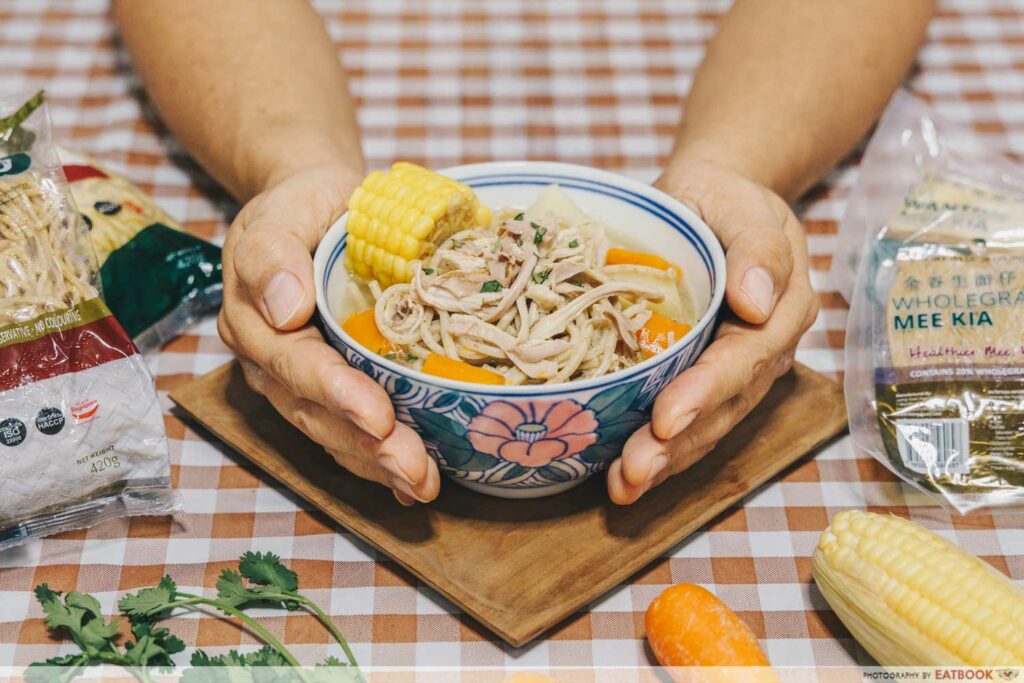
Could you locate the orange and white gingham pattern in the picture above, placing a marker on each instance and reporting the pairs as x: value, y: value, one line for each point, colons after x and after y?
x: 444, y: 82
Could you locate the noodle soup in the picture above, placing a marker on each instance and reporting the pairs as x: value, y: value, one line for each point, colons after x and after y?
x: 518, y: 385
x: 542, y: 294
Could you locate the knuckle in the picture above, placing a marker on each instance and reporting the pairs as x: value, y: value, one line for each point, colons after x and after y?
x: 743, y: 404
x: 773, y: 249
x: 763, y: 357
x: 304, y: 418
x: 813, y: 310
x: 784, y: 363
x: 254, y: 376
x: 247, y: 253
x: 278, y: 364
x: 225, y: 331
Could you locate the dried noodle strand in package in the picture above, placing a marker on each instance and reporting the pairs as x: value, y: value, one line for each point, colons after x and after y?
x: 81, y: 431
x: 935, y: 336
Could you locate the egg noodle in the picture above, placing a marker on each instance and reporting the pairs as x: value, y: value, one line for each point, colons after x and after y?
x: 40, y: 271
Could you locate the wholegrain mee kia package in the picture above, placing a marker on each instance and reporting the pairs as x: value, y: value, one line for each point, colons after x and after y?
x: 933, y: 267
x: 81, y: 431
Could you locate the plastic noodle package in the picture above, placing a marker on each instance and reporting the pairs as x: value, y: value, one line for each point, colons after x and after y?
x: 157, y: 279
x: 935, y: 336
x: 81, y: 431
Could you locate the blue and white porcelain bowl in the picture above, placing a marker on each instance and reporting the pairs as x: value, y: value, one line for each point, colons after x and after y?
x: 538, y: 440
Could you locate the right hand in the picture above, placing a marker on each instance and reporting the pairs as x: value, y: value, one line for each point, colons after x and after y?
x: 268, y: 302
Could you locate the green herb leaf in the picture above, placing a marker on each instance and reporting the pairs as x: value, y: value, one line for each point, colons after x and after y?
x: 574, y: 244
x: 519, y: 241
x: 152, y: 646
x: 46, y: 672
x: 456, y: 244
x: 497, y: 245
x: 57, y: 613
x: 231, y: 590
x: 519, y: 216
x: 82, y: 616
x: 265, y: 656
x: 149, y: 601
x: 391, y: 356
x: 428, y: 271
x: 333, y: 670
x: 410, y: 358
x: 97, y: 635
x: 535, y: 226
x: 491, y: 286
x: 539, y: 278
x: 538, y: 236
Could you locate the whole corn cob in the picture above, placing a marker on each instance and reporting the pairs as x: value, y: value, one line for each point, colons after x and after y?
x: 911, y: 598
x: 403, y: 215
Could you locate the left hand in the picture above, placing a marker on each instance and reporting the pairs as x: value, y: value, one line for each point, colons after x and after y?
x: 769, y: 292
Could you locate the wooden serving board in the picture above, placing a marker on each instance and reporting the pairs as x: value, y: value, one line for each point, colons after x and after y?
x: 521, y: 566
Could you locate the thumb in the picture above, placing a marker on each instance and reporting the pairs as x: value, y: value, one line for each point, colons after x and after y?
x: 272, y: 254
x: 758, y: 265
x: 275, y: 268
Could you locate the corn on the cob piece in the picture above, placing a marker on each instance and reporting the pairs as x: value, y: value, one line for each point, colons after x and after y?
x: 911, y: 598
x: 403, y: 215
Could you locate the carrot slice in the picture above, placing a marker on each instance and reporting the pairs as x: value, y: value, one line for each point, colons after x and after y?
x: 659, y: 333
x: 363, y: 328
x: 439, y: 366
x: 688, y: 626
x: 616, y: 257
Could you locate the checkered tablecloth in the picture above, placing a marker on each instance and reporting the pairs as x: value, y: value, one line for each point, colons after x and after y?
x: 444, y: 82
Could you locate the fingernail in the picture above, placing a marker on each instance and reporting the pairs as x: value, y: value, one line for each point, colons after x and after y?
x: 359, y: 421
x: 402, y: 485
x: 759, y: 287
x: 682, y: 422
x: 403, y: 499
x: 282, y: 297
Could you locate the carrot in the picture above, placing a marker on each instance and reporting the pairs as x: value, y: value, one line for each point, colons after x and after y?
x: 362, y: 327
x: 618, y: 256
x: 659, y: 333
x: 687, y: 626
x: 439, y: 366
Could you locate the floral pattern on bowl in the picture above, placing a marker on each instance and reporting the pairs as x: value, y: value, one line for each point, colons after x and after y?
x: 533, y: 433
x: 513, y: 446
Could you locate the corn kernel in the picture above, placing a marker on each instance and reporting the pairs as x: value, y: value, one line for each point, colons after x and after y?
x: 913, y: 599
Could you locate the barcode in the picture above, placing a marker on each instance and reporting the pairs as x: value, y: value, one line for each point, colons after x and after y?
x: 934, y: 446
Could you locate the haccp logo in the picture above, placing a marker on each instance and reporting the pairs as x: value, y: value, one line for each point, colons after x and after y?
x: 50, y: 421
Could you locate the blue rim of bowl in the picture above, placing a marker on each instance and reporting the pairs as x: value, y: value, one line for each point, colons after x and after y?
x: 660, y: 211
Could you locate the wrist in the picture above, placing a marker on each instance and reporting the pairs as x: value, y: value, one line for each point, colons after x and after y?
x: 761, y: 166
x: 269, y: 166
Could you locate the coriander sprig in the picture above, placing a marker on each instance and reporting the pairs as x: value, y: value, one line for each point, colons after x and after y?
x: 261, y: 579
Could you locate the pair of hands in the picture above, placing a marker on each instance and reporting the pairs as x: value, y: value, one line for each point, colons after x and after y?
x: 269, y: 300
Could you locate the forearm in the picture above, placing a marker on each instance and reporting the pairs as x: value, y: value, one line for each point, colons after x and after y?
x: 253, y: 88
x: 788, y: 87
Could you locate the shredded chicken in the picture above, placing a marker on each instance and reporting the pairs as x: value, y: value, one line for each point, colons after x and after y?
x: 525, y: 297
